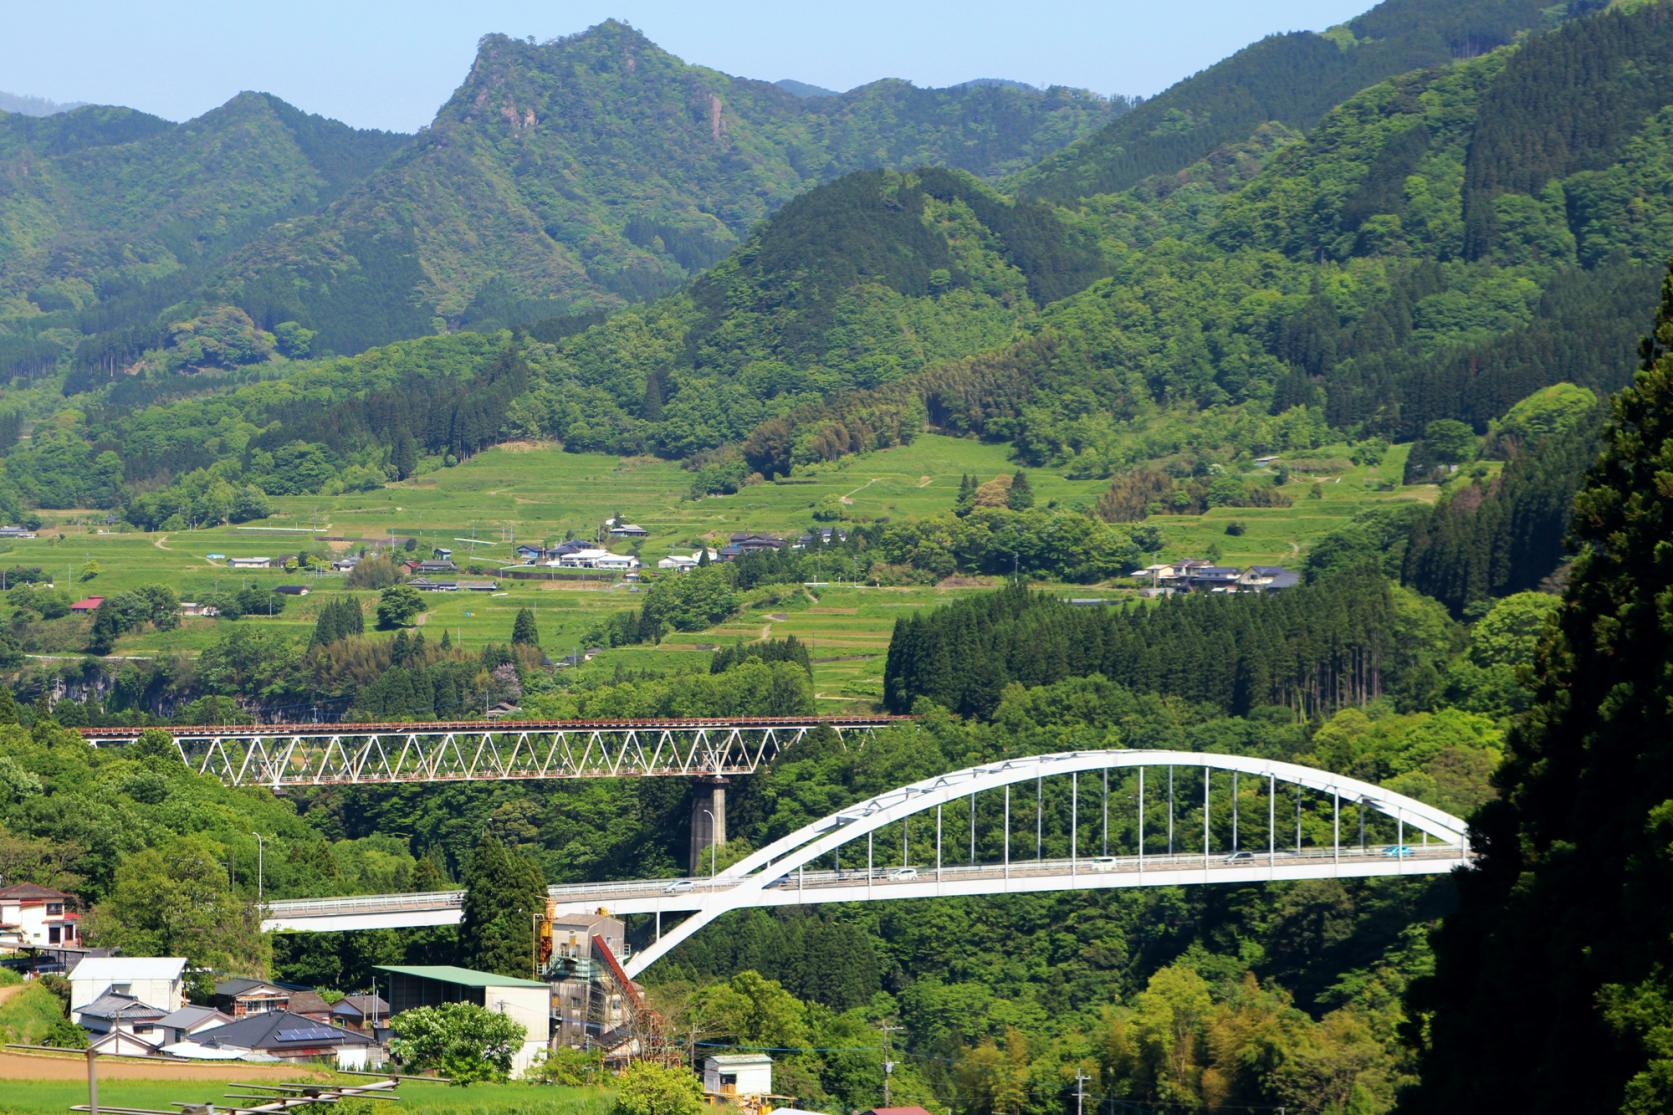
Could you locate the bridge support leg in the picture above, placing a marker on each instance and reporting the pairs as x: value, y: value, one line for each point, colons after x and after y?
x: 708, y: 822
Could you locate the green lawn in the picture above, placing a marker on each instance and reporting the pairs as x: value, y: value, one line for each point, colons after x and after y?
x: 40, y: 1097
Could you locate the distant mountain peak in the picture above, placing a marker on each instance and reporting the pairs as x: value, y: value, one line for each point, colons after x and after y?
x: 804, y: 89
x: 24, y: 105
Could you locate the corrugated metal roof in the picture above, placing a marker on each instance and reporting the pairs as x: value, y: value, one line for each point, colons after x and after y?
x: 463, y: 977
x: 119, y: 968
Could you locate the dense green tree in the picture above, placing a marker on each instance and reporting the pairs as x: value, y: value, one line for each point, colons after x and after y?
x: 504, y: 891
x: 1020, y: 495
x: 647, y: 1088
x: 1573, y: 866
x: 176, y: 900
x: 523, y: 630
x: 466, y: 1043
x: 398, y: 606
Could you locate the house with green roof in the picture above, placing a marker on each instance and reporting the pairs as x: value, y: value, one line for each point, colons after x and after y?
x: 525, y: 1001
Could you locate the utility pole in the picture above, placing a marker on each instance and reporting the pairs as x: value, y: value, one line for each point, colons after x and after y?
x: 888, y: 1065
x: 260, y: 863
x: 1080, y: 1092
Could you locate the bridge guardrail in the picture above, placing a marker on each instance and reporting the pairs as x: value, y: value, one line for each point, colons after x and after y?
x: 453, y: 899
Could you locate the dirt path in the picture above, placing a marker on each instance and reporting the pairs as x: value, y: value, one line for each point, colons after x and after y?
x: 8, y: 992
x: 849, y: 498
x: 161, y: 542
x: 52, y: 1066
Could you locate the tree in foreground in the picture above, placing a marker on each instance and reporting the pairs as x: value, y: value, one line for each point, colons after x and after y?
x: 649, y: 1089
x: 461, y: 1041
x: 503, y: 892
x: 1553, y: 982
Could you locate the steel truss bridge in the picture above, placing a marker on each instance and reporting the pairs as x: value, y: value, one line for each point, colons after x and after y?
x: 1251, y: 844
x: 298, y: 755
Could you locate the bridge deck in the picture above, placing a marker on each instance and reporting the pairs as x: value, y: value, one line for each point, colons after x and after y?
x: 654, y: 896
x: 431, y: 727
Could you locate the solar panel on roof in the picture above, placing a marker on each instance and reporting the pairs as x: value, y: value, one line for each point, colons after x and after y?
x: 309, y: 1033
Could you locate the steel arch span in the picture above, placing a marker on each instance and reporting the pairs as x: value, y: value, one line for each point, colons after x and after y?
x: 754, y: 880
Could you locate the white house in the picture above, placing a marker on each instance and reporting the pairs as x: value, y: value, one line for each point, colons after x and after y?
x: 680, y: 563
x: 157, y: 981
x: 599, y: 559
x: 37, y: 916
x: 249, y: 563
x: 738, y: 1074
x: 114, y: 1013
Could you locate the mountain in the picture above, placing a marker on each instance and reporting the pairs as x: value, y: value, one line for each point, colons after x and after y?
x: 597, y: 170
x: 23, y: 105
x: 1414, y: 257
x: 1291, y: 79
x: 803, y: 89
x: 108, y: 215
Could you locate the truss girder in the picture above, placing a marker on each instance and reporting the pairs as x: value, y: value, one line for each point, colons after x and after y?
x: 315, y: 755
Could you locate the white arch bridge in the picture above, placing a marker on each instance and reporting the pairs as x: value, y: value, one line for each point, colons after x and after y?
x: 1275, y: 821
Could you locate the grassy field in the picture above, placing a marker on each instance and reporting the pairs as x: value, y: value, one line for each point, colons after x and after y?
x: 538, y: 493
x: 52, y: 1097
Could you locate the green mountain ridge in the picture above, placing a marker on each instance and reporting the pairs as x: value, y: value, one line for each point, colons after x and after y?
x: 107, y: 215
x: 1292, y: 79
x: 598, y: 170
x: 1284, y: 290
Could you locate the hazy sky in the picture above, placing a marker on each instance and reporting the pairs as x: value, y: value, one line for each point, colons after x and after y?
x: 377, y: 63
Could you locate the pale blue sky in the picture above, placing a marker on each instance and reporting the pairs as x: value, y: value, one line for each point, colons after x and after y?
x: 377, y: 63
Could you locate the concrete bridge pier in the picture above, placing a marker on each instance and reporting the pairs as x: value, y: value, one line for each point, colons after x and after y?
x: 708, y: 822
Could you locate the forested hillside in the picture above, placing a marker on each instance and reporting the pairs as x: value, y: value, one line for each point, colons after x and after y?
x: 109, y: 216
x: 1574, y: 854
x: 1292, y: 79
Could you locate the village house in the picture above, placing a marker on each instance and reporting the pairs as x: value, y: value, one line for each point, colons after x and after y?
x: 680, y: 563
x: 189, y: 1021
x: 624, y: 529
x: 599, y: 559
x: 36, y: 916
x: 16, y: 532
x: 249, y: 563
x: 823, y: 536
x: 1197, y: 575
x: 360, y: 1012
x: 291, y: 1037
x: 752, y: 543
x: 156, y: 981
x: 1268, y: 578
x: 193, y: 608
x: 344, y: 565
x: 310, y: 1004
x: 113, y: 1012
x: 241, y: 996
x: 434, y: 565
x: 737, y: 1075
x: 87, y: 604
